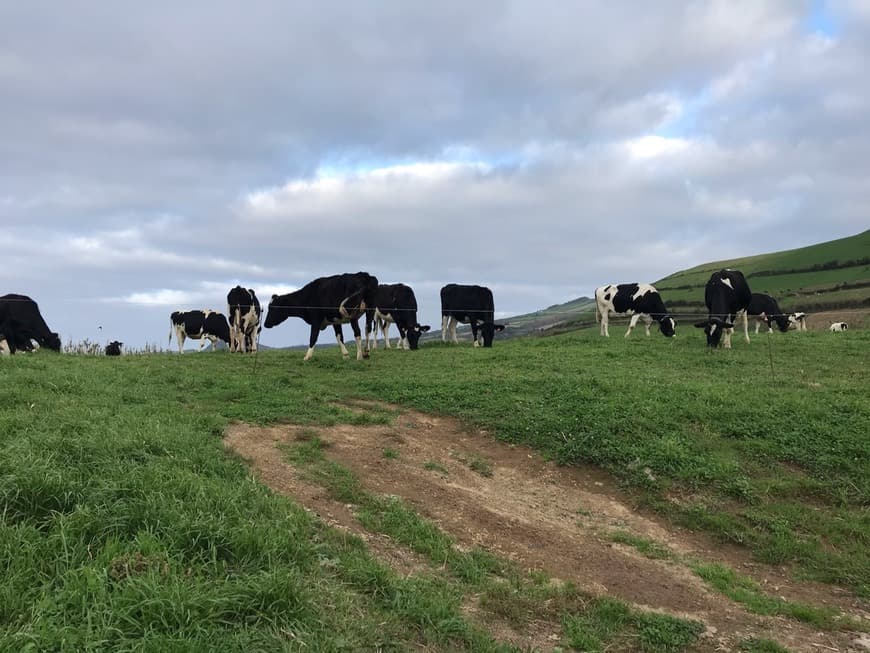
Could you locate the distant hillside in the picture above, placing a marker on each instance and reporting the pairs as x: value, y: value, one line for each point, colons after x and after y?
x: 824, y: 277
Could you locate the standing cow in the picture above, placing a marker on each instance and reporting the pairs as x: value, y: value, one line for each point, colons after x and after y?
x: 326, y: 301
x: 635, y: 299
x: 472, y: 305
x: 726, y: 294
x: 243, y: 307
x: 199, y: 325
x: 114, y: 348
x: 838, y: 326
x: 765, y: 310
x: 21, y: 324
x: 395, y: 302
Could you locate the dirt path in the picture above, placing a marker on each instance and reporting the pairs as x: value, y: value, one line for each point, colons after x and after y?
x: 541, y: 516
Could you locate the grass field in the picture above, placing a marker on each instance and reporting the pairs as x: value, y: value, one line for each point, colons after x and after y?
x: 125, y: 523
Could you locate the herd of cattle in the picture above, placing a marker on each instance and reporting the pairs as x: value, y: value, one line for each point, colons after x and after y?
x: 345, y: 298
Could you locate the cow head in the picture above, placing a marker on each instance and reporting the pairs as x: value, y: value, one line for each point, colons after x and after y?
x: 782, y: 322
x: 413, y: 334
x: 487, y: 331
x: 52, y: 341
x: 277, y: 311
x: 713, y: 328
x: 668, y: 326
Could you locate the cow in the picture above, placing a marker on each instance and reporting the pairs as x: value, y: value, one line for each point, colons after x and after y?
x: 838, y: 326
x: 332, y: 300
x: 798, y: 321
x: 726, y: 294
x: 199, y: 325
x: 21, y: 324
x: 765, y: 310
x: 243, y: 307
x: 635, y: 299
x: 114, y: 348
x: 470, y: 305
x: 395, y: 302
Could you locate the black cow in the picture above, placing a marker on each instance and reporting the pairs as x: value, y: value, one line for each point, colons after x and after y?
x: 635, y: 299
x: 114, y: 348
x: 470, y: 305
x: 21, y: 323
x: 726, y: 294
x: 199, y: 325
x: 333, y: 300
x: 395, y: 302
x: 766, y: 311
x: 243, y: 307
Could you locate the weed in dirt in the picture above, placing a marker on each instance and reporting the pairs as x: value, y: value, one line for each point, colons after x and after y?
x: 646, y: 546
x: 390, y: 454
x: 435, y: 467
x: 757, y: 645
x: 476, y: 463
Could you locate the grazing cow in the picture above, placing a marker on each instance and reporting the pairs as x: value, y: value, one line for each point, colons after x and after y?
x: 838, y: 326
x: 21, y: 323
x: 470, y: 305
x: 199, y: 325
x: 765, y: 310
x: 395, y: 302
x: 333, y: 300
x: 114, y: 348
x: 243, y: 307
x: 798, y: 321
x: 635, y: 299
x: 726, y: 294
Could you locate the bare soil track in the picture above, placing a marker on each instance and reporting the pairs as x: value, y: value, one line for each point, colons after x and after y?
x: 541, y: 516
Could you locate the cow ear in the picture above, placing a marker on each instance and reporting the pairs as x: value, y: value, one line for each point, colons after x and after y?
x: 700, y: 325
x: 274, y: 297
x: 498, y: 327
x: 424, y: 328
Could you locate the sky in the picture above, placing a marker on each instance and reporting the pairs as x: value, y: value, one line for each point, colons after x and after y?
x: 154, y: 155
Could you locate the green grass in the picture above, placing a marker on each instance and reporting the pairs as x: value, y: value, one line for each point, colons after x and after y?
x: 646, y: 546
x: 756, y: 645
x: 124, y: 522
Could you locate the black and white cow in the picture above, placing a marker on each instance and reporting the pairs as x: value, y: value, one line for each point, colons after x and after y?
x: 243, y: 307
x: 21, y: 324
x: 726, y: 294
x: 766, y: 311
x: 395, y: 302
x: 838, y: 326
x: 199, y: 325
x: 635, y: 299
x: 114, y: 348
x: 798, y: 321
x: 333, y: 300
x: 472, y: 305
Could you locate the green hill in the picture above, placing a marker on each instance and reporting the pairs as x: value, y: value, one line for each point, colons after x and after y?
x: 827, y: 276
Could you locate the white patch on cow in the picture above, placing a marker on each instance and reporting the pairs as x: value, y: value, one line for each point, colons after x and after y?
x: 726, y: 281
x: 643, y: 289
x: 445, y: 322
x: 359, y: 348
x: 726, y: 338
x: 308, y: 354
x: 713, y: 328
x: 4, y: 348
x: 745, y: 315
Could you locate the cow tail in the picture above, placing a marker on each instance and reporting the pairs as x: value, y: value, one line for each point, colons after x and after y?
x: 597, y: 314
x: 171, y: 327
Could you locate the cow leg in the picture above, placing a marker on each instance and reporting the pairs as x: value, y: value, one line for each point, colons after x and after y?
x: 357, y: 335
x: 180, y: 336
x: 745, y: 327
x: 452, y: 327
x: 632, y: 323
x: 445, y: 322
x: 312, y: 340
x: 339, y: 338
x: 647, y: 320
x: 385, y: 331
x: 603, y: 328
x: 726, y: 338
